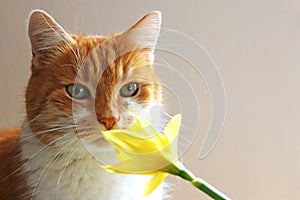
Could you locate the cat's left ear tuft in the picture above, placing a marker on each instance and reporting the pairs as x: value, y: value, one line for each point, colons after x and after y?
x: 143, y: 34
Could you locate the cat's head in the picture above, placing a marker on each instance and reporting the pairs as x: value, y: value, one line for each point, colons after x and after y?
x: 80, y: 83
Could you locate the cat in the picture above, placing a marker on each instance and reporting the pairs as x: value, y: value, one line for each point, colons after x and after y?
x: 81, y: 85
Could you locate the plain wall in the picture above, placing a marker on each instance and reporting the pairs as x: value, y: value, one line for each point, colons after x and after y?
x: 256, y: 45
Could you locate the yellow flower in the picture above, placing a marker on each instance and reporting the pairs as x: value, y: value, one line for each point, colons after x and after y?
x: 142, y: 150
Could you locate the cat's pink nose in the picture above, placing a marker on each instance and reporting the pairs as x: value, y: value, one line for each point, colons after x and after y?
x: 108, y: 122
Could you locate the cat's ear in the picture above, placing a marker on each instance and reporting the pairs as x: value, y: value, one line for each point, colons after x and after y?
x: 45, y: 33
x: 144, y: 34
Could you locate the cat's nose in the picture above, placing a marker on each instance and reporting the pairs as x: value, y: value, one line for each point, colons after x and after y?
x: 108, y: 122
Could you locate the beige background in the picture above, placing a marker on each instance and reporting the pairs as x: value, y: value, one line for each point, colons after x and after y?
x: 256, y: 45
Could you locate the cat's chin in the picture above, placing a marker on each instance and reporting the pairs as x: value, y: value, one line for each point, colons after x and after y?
x: 98, y: 145
x: 101, y: 150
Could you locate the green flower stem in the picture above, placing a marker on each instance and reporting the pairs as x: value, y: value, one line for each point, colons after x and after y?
x: 180, y: 170
x: 209, y: 189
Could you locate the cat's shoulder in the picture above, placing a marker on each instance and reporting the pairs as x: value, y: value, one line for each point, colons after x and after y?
x: 10, y: 165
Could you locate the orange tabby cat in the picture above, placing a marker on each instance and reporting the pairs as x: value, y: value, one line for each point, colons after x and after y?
x: 80, y: 85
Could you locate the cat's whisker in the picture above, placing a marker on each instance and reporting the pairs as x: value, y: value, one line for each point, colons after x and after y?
x: 183, y: 145
x: 49, y: 144
x: 40, y: 133
x: 185, y: 139
x: 163, y: 64
x: 179, y: 183
x: 47, y: 131
x: 80, y: 155
x: 166, y: 114
x: 51, y: 162
x: 181, y: 124
x: 76, y: 54
x: 67, y: 161
x: 166, y: 45
x: 166, y: 64
x: 28, y: 123
x: 76, y: 23
x: 178, y: 180
x: 18, y: 170
x: 181, y: 159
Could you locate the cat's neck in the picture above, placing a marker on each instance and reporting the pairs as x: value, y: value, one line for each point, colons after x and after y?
x: 71, y: 172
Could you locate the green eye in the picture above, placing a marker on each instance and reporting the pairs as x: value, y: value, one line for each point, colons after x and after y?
x: 78, y: 91
x: 129, y: 90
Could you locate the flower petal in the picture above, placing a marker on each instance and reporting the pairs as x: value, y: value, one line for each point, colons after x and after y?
x: 141, y: 126
x: 131, y: 167
x: 172, y: 128
x: 171, y: 132
x: 139, y: 163
x: 129, y: 143
x: 157, y: 179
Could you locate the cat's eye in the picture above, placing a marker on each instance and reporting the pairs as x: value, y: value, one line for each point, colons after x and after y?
x: 129, y: 89
x: 78, y: 91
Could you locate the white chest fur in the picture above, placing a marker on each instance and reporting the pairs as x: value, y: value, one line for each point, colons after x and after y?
x: 71, y: 173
